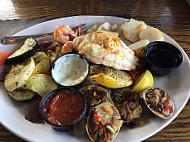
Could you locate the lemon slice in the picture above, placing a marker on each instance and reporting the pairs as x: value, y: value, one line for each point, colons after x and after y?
x: 110, y: 77
x: 143, y: 82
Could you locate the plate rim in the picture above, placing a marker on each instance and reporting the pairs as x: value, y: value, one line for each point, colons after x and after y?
x: 143, y: 138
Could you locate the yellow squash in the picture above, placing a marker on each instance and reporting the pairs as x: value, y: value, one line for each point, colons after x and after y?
x: 42, y: 63
x: 42, y: 84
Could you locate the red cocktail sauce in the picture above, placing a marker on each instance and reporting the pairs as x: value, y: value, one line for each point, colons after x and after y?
x: 64, y: 108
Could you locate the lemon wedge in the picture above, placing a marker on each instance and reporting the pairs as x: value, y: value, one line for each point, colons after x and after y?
x: 110, y: 77
x: 143, y: 82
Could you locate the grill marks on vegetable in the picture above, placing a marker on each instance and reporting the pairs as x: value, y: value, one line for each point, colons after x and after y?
x: 19, y: 74
x: 27, y: 50
x: 17, y: 80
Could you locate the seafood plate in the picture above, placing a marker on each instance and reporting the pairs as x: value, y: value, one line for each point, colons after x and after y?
x: 14, y: 120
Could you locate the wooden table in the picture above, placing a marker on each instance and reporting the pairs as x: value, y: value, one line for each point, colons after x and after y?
x: 170, y: 16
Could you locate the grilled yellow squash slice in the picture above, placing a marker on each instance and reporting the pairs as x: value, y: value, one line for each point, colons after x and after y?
x: 42, y: 63
x: 42, y: 84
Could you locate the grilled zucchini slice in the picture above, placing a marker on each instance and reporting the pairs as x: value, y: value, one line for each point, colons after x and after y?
x: 18, y: 75
x: 27, y: 50
x: 42, y: 63
x: 41, y: 84
x: 22, y: 94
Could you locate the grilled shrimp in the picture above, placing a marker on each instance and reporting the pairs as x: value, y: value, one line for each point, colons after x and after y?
x: 71, y: 46
x: 62, y: 34
x: 67, y: 47
x: 77, y: 42
x: 132, y: 28
x: 152, y: 34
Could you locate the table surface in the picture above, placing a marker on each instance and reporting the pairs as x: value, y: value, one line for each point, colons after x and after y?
x: 170, y: 16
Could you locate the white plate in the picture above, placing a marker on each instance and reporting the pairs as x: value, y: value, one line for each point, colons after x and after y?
x: 12, y: 113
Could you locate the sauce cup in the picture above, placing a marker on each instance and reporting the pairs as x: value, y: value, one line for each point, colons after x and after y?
x: 70, y: 69
x: 63, y: 108
x: 162, y: 57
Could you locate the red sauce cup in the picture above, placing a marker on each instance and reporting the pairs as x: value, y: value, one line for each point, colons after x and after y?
x: 63, y: 108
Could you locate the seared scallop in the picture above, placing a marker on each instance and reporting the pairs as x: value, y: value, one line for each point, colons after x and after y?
x: 132, y: 28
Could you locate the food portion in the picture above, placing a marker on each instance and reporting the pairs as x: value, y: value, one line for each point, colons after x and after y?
x: 110, y: 77
x: 135, y: 30
x: 158, y: 102
x: 3, y: 57
x: 19, y: 74
x: 62, y: 34
x: 103, y: 123
x: 22, y: 94
x: 132, y: 28
x: 40, y: 83
x: 95, y: 95
x: 29, y: 76
x: 27, y: 50
x: 110, y: 74
x: 138, y: 47
x: 107, y: 49
x: 145, y: 81
x: 33, y: 114
x: 114, y: 29
x: 151, y: 34
x: 127, y: 102
x: 42, y: 63
x: 64, y: 107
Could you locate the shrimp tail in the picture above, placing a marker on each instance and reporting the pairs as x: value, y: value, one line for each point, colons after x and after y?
x: 67, y: 47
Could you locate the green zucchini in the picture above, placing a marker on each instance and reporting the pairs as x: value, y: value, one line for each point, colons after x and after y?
x: 21, y: 94
x: 27, y: 50
x: 19, y: 74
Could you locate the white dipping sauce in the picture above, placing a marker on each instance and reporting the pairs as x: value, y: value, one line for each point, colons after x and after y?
x: 70, y: 69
